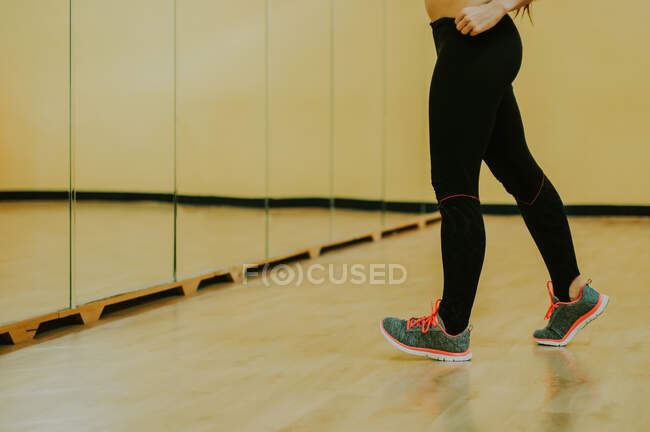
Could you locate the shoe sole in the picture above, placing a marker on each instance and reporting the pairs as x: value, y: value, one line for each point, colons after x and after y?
x: 603, y: 301
x: 425, y: 352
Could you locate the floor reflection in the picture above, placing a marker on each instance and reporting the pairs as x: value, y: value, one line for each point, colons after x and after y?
x: 569, y: 388
x: 390, y: 218
x: 34, y: 260
x: 295, y: 228
x: 441, y: 389
x: 120, y: 247
x: 211, y: 237
x: 350, y: 222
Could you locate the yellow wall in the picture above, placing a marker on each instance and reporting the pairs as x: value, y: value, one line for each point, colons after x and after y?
x: 583, y: 92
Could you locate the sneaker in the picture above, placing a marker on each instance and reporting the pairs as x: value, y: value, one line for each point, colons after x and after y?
x: 426, y: 337
x: 567, y: 318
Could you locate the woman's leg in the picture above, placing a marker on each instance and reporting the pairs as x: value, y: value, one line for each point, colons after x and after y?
x: 511, y: 162
x: 468, y: 84
x: 459, y: 135
x: 462, y: 240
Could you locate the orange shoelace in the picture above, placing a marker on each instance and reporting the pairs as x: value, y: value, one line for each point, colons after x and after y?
x: 426, y: 321
x: 554, y: 305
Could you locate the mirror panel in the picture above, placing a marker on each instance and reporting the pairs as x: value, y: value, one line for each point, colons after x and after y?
x: 34, y: 166
x: 409, y: 65
x: 358, y: 125
x: 123, y: 145
x: 221, y: 147
x: 299, y: 110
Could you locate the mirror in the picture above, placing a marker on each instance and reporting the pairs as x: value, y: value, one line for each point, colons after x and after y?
x: 123, y: 138
x: 299, y: 125
x: 34, y: 167
x: 358, y: 124
x: 409, y: 64
x: 221, y: 147
x: 186, y: 137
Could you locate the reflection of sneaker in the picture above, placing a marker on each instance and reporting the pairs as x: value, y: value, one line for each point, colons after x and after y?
x: 567, y: 318
x: 568, y: 384
x: 426, y: 337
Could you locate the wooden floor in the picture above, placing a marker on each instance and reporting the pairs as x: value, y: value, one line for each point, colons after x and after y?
x: 310, y: 357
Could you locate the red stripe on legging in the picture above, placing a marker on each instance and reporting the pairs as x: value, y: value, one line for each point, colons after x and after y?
x: 458, y: 195
x: 538, y: 192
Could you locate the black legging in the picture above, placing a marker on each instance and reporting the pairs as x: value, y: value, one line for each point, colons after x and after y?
x: 474, y: 117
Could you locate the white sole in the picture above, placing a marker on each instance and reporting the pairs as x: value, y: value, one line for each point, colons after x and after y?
x: 419, y: 353
x: 580, y: 326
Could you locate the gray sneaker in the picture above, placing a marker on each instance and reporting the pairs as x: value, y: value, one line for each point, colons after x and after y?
x: 567, y: 318
x: 426, y: 337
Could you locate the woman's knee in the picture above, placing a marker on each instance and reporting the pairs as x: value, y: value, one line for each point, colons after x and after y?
x: 462, y: 224
x: 523, y: 184
x: 461, y: 209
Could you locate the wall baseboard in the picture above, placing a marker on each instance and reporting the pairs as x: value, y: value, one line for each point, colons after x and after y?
x: 575, y: 210
x: 317, y: 202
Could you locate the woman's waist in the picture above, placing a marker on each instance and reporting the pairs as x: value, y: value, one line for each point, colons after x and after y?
x: 449, y: 8
x: 445, y: 33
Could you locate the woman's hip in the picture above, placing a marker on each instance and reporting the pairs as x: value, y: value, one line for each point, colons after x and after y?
x: 494, y: 55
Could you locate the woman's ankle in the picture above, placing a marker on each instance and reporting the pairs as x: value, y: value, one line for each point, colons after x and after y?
x: 576, y: 286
